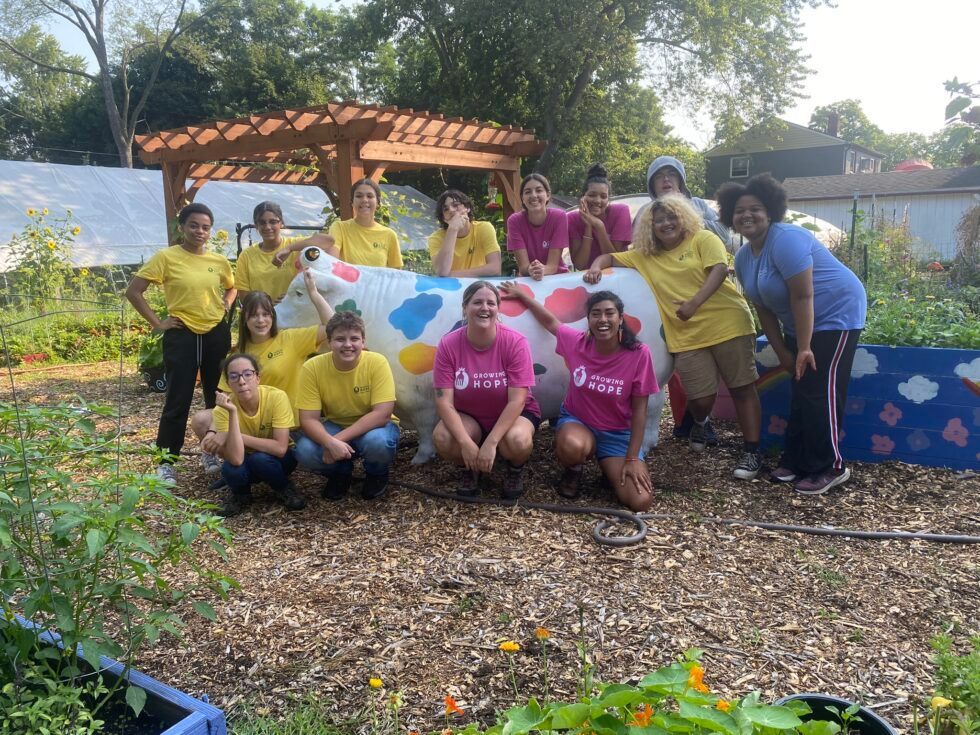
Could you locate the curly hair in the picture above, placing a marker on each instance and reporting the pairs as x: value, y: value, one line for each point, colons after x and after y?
x: 678, y: 205
x: 763, y: 187
x: 252, y: 302
x: 457, y: 196
x: 628, y: 336
x: 194, y: 208
x: 344, y: 320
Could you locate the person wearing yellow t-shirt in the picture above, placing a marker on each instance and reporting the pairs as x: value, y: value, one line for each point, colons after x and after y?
x: 198, y: 288
x: 251, y: 434
x: 354, y: 391
x: 258, y: 269
x: 461, y: 247
x: 707, y: 323
x: 279, y: 352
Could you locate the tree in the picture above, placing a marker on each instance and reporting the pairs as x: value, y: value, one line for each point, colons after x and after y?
x: 963, y: 119
x: 853, y: 125
x: 116, y: 33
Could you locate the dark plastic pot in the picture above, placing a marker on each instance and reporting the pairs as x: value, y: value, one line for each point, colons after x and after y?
x: 870, y: 724
x: 156, y: 378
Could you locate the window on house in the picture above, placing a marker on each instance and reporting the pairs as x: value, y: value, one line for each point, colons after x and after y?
x: 867, y: 165
x: 739, y: 167
x: 851, y: 163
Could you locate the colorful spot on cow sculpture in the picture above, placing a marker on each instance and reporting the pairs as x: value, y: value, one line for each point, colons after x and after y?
x: 348, y: 305
x: 417, y: 358
x: 346, y: 272
x: 513, y: 307
x: 633, y: 323
x: 430, y: 283
x: 568, y: 304
x: 539, y: 369
x: 414, y: 315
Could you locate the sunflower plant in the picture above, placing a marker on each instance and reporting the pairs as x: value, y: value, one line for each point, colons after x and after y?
x: 41, y: 255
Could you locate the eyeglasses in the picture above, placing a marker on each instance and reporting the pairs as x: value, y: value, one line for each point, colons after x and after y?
x: 247, y: 374
x: 663, y: 175
x: 268, y: 222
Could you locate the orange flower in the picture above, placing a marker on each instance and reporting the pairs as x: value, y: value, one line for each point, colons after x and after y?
x: 452, y: 707
x: 723, y: 705
x: 542, y: 634
x: 642, y: 716
x: 694, y: 680
x: 509, y: 647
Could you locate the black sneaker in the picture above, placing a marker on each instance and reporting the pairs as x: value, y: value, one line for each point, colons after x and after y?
x: 570, y: 485
x: 292, y: 499
x: 710, y: 437
x: 218, y: 484
x: 374, y: 486
x: 234, y: 504
x: 513, y: 483
x: 698, y: 438
x: 336, y: 487
x: 469, y: 483
x: 748, y: 466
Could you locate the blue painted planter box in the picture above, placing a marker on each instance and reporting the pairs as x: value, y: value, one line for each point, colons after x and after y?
x: 919, y: 405
x: 190, y: 716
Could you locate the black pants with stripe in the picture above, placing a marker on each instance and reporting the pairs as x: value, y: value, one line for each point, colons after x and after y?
x: 816, y: 412
x: 184, y: 353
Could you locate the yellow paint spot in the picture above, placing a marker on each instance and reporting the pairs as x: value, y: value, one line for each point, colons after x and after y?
x: 417, y: 358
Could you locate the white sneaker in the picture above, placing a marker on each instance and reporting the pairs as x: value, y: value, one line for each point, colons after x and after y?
x: 210, y: 463
x: 166, y: 473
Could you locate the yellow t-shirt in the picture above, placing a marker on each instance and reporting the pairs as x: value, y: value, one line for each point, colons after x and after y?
x: 470, y: 251
x: 344, y: 396
x: 374, y: 245
x: 274, y: 412
x: 678, y: 274
x: 193, y: 285
x: 255, y: 271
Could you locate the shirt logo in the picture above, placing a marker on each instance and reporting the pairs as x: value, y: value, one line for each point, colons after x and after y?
x: 462, y: 379
x: 378, y: 245
x: 579, y: 376
x: 276, y: 353
x: 362, y: 388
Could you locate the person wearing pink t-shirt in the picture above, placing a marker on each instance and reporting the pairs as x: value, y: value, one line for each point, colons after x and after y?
x: 597, y: 226
x: 482, y: 377
x: 537, y: 235
x: 605, y: 410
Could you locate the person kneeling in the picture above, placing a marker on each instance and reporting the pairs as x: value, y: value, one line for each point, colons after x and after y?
x: 605, y: 410
x: 251, y: 434
x: 355, y: 393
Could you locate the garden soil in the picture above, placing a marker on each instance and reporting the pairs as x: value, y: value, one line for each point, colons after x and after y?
x: 420, y: 592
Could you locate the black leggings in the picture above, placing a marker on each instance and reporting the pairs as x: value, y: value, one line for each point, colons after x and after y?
x: 184, y: 352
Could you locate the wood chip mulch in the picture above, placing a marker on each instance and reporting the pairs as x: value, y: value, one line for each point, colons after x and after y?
x: 420, y: 592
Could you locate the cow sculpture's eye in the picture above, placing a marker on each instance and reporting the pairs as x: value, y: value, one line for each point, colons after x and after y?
x: 312, y: 253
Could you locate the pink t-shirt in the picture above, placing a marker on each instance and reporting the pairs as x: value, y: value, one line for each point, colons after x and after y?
x: 479, y: 378
x: 539, y: 241
x: 601, y: 386
x: 617, y: 222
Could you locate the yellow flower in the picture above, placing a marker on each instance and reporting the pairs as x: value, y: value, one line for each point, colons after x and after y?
x: 45, y: 211
x: 542, y: 634
x: 375, y: 683
x: 31, y: 211
x: 52, y: 245
x: 222, y: 235
x: 940, y: 702
x: 510, y: 646
x: 83, y: 272
x: 723, y: 705
x: 47, y: 231
x: 76, y: 230
x: 930, y: 296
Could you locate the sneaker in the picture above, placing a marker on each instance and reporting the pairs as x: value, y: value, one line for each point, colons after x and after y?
x: 166, y: 473
x: 210, y: 463
x: 374, y: 486
x: 336, y: 487
x: 698, y: 438
x: 469, y: 483
x: 513, y: 483
x: 292, y: 498
x: 234, y: 504
x: 710, y: 437
x: 570, y: 485
x: 782, y: 474
x: 822, y: 482
x: 219, y: 484
x: 683, y: 429
x: 748, y: 466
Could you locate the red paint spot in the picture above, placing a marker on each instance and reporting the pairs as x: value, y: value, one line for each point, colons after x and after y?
x: 348, y: 273
x: 568, y: 304
x: 633, y: 323
x: 512, y: 307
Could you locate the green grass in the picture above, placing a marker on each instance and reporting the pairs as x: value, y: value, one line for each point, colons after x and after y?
x: 310, y: 716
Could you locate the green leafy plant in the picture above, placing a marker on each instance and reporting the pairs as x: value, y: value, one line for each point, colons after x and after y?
x: 955, y: 710
x: 42, y: 257
x: 88, y: 550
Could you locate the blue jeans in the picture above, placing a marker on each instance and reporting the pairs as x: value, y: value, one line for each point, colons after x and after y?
x: 376, y: 447
x: 259, y: 467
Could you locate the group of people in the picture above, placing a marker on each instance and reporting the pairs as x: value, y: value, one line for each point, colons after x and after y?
x: 282, y: 408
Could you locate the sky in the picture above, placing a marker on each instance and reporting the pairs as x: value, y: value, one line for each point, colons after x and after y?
x: 891, y: 55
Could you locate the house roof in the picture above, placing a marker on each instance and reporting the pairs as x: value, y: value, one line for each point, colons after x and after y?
x: 781, y: 136
x: 936, y: 181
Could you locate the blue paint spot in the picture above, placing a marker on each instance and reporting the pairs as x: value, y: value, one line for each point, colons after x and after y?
x: 414, y: 314
x: 430, y: 283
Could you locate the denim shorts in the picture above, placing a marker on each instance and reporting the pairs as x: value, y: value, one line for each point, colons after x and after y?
x: 607, y: 443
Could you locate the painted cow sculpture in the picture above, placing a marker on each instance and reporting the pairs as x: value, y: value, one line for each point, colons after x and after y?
x: 406, y: 314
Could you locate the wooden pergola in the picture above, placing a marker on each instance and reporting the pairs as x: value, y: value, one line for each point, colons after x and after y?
x: 331, y: 146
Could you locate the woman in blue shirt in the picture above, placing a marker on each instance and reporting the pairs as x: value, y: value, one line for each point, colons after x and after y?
x: 797, y: 284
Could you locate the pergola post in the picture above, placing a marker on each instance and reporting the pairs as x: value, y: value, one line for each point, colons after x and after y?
x: 175, y: 192
x: 350, y: 168
x: 509, y: 183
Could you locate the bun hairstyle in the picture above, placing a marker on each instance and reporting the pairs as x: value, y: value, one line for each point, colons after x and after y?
x: 596, y: 174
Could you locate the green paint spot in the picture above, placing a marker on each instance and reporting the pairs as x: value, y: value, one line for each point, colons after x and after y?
x: 349, y: 305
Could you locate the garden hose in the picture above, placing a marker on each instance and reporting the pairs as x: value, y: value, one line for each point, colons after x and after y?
x: 614, y: 516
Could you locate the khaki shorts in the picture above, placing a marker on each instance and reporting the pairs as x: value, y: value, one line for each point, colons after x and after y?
x: 733, y: 360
